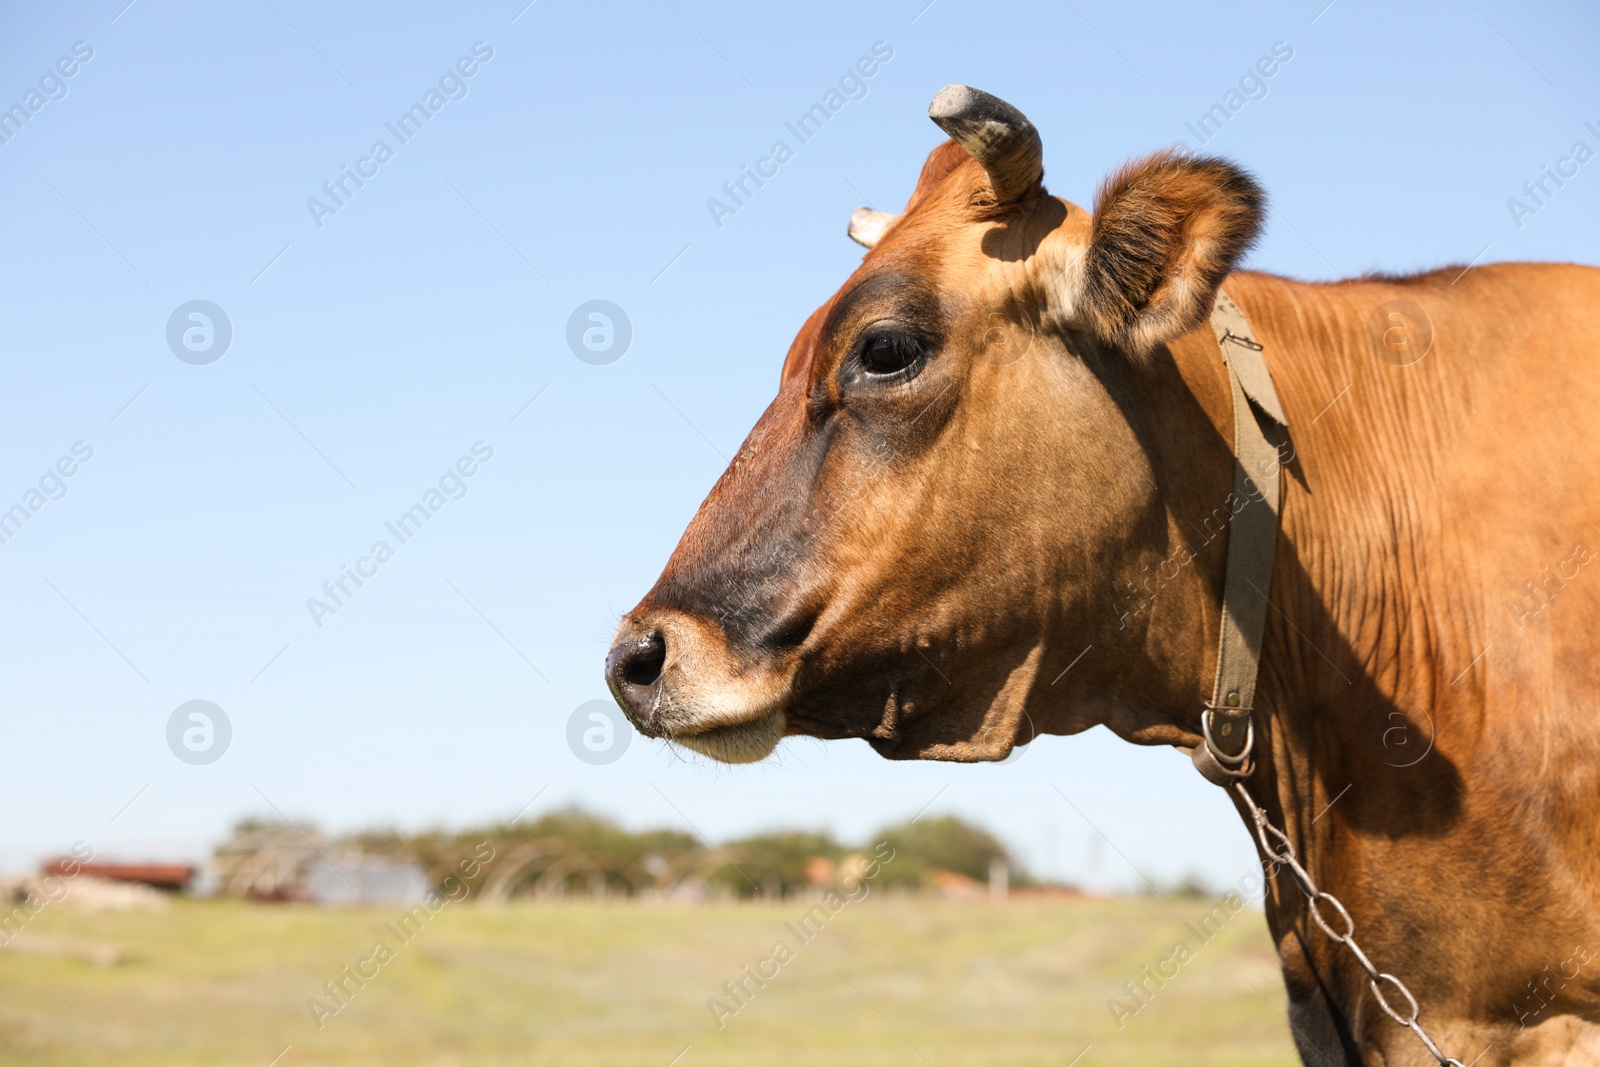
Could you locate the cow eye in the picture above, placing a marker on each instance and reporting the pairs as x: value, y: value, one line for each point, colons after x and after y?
x: 886, y: 354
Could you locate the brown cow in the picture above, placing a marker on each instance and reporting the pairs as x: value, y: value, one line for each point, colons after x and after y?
x: 1003, y: 449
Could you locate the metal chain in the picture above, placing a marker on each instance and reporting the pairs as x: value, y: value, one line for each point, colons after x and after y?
x: 1284, y: 853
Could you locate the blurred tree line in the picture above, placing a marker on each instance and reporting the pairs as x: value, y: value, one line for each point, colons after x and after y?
x: 573, y: 852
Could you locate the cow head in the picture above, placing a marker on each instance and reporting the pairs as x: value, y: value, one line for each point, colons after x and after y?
x: 974, y: 462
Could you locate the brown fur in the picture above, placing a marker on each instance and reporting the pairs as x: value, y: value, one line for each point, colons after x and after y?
x: 918, y: 563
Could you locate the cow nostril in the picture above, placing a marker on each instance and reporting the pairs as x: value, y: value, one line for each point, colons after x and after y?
x: 633, y: 674
x: 641, y: 665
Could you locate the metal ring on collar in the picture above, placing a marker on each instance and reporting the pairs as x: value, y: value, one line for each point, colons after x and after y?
x: 1223, y: 757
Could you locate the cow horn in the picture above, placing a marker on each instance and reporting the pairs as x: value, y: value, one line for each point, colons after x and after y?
x: 994, y: 133
x: 867, y: 225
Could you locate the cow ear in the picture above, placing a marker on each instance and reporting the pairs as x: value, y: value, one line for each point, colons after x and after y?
x: 1166, y: 231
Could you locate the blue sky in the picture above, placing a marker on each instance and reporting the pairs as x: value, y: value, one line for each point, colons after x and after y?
x: 373, y: 347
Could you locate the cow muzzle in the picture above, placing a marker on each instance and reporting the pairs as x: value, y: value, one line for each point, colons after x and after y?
x: 676, y: 677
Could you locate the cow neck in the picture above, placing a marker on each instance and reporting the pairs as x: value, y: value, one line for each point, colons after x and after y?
x: 1227, y: 730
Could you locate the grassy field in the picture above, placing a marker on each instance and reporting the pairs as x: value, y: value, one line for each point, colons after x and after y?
x: 885, y: 982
